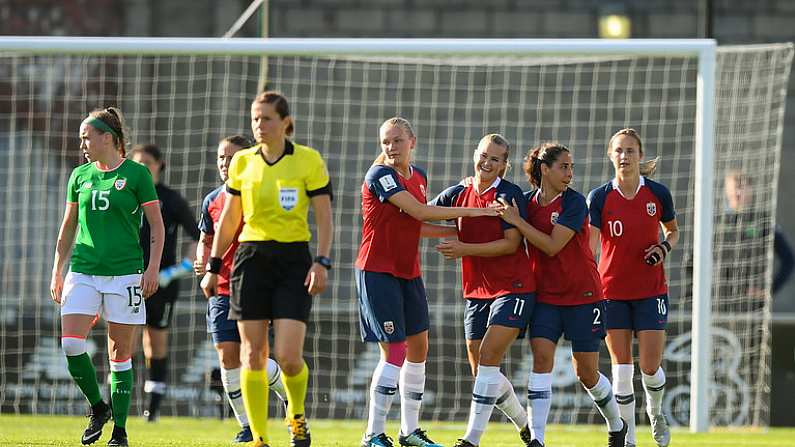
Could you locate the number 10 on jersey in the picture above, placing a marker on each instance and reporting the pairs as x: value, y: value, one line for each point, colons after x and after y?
x: 615, y: 227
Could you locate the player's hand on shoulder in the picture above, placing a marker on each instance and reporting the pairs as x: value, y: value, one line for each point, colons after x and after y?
x: 209, y: 284
x: 484, y: 212
x: 508, y: 211
x: 149, y: 282
x: 316, y: 279
x: 56, y: 287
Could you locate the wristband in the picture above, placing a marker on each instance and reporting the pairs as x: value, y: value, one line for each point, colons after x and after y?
x: 214, y: 265
x: 667, y: 246
x: 324, y: 261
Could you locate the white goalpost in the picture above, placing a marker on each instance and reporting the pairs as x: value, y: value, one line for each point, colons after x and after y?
x: 688, y: 98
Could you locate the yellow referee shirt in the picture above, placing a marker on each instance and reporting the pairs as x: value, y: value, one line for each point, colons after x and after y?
x: 275, y: 197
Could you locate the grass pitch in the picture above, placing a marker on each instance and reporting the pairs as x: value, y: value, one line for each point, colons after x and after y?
x: 66, y: 431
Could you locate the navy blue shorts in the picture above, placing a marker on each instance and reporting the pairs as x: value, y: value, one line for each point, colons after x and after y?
x: 647, y: 314
x: 390, y: 308
x: 509, y: 311
x: 582, y: 325
x: 219, y: 326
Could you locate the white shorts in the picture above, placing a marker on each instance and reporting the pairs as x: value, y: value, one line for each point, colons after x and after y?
x: 116, y: 298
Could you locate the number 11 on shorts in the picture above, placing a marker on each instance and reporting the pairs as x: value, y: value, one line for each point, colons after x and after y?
x: 518, y: 307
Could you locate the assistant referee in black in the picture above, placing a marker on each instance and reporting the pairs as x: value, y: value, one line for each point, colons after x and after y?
x: 160, y: 306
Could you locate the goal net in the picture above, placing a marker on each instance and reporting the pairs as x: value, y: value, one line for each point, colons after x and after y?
x: 186, y: 104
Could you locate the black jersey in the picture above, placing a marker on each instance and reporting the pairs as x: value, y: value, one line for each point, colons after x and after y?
x: 176, y: 212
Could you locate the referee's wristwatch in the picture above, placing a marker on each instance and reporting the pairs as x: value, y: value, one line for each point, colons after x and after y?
x: 323, y: 261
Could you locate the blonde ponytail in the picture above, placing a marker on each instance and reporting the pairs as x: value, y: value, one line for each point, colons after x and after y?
x: 648, y: 167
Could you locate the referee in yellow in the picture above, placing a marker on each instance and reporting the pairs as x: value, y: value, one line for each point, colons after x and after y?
x: 271, y: 187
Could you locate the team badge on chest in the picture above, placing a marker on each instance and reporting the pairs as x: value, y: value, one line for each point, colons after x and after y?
x: 288, y: 198
x: 119, y: 184
x: 553, y: 218
x: 651, y: 208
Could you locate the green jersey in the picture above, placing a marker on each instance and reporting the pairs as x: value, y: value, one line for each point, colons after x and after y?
x: 109, y: 217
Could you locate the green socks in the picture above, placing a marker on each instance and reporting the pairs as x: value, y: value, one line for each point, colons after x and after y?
x: 82, y: 370
x: 121, y: 383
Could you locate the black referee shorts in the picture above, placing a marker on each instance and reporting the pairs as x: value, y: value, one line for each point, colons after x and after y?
x: 268, y: 281
x: 160, y: 306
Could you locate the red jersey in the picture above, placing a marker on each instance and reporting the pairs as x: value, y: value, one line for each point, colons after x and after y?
x: 390, y: 237
x: 570, y: 277
x: 496, y: 276
x: 210, y: 220
x: 628, y: 228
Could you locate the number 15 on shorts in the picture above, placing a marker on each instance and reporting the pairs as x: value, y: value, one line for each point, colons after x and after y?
x: 134, y: 296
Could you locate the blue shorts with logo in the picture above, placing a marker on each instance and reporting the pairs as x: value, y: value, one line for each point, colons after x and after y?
x: 647, y: 314
x: 219, y: 326
x: 583, y: 325
x: 510, y: 311
x: 390, y: 308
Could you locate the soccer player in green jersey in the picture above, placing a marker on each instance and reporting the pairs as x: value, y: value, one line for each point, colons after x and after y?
x: 106, y: 199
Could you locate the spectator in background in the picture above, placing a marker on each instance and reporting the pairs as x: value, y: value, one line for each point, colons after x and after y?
x: 160, y: 306
x: 741, y: 233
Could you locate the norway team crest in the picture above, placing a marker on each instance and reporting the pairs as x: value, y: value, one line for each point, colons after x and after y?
x: 389, y: 327
x: 651, y: 208
x: 554, y: 217
x: 288, y: 198
x: 119, y: 184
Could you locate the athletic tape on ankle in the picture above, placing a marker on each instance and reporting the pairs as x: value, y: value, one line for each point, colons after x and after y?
x: 121, y: 365
x: 73, y: 345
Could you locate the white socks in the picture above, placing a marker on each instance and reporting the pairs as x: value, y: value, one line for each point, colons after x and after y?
x: 508, y: 403
x: 602, y: 395
x: 655, y: 387
x: 382, y: 393
x: 275, y: 378
x: 231, y: 380
x: 625, y: 396
x: 412, y: 385
x: 484, y: 395
x: 539, y: 401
